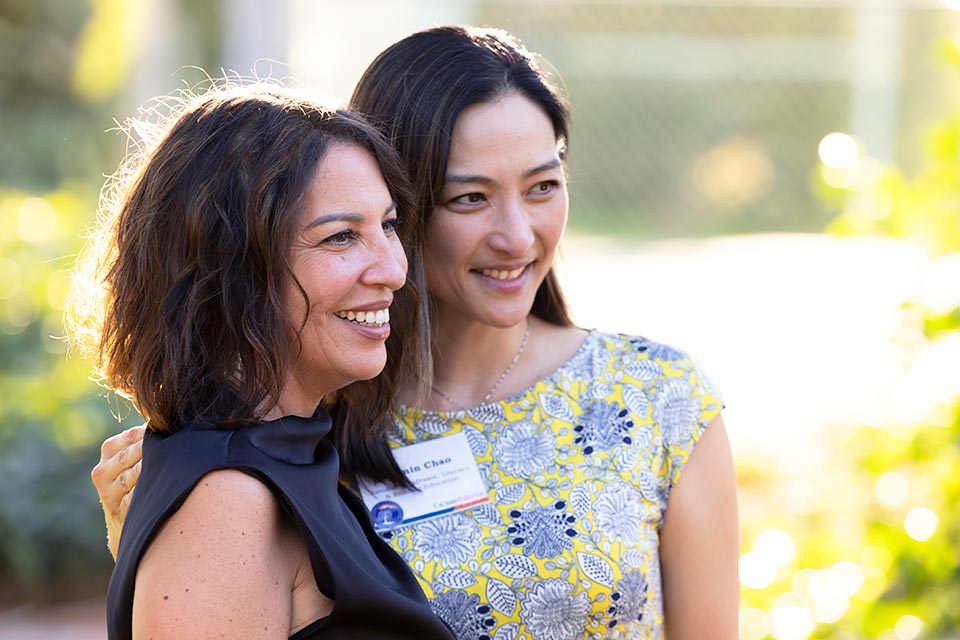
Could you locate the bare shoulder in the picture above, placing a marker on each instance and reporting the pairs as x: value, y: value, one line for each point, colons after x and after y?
x: 230, y: 505
x: 227, y: 490
x: 216, y: 565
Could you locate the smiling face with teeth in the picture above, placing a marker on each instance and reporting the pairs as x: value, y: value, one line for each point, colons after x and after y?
x: 493, y: 238
x: 347, y: 261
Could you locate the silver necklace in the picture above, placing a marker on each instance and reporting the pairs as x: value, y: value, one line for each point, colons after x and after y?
x: 496, y: 385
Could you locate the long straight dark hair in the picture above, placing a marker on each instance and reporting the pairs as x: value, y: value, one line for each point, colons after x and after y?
x: 416, y: 89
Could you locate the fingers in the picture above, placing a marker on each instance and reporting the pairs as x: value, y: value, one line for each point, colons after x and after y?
x: 114, y: 477
x: 130, y: 455
x: 119, y: 468
x: 114, y: 521
x: 114, y: 444
x: 124, y: 506
x: 127, y: 479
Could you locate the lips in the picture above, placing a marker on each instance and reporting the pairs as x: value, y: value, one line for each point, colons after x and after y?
x: 370, y: 318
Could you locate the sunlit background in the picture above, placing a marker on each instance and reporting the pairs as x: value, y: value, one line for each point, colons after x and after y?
x: 773, y: 185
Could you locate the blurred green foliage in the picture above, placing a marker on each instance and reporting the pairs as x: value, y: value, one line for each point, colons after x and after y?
x: 878, y: 554
x: 53, y: 153
x: 70, y: 66
x: 52, y: 418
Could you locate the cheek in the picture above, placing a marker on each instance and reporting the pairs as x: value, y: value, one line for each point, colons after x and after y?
x: 432, y: 242
x: 439, y: 246
x: 325, y: 282
x: 554, y: 224
x: 433, y: 270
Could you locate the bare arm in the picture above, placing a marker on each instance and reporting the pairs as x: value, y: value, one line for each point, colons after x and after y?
x: 700, y: 544
x: 217, y: 568
x: 115, y: 476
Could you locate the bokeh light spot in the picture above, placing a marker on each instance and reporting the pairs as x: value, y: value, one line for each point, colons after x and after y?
x: 776, y: 545
x: 838, y: 150
x: 36, y: 220
x: 790, y: 619
x: 19, y: 312
x: 838, y: 178
x: 754, y: 624
x: 734, y: 174
x: 892, y: 489
x: 830, y: 610
x: 921, y: 523
x: 846, y: 578
x: 908, y: 627
x: 757, y: 571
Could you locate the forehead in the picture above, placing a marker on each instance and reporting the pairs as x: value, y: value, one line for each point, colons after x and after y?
x: 510, y: 128
x: 347, y: 174
x: 344, y: 157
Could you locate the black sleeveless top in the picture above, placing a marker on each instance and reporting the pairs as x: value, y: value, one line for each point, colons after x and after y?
x: 375, y: 594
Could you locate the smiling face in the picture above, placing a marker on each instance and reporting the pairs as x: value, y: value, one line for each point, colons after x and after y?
x: 504, y: 206
x: 349, y: 261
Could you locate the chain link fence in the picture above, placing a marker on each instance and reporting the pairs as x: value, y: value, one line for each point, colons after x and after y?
x: 696, y: 118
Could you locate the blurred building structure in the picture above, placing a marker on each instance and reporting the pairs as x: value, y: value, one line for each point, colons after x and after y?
x: 690, y: 116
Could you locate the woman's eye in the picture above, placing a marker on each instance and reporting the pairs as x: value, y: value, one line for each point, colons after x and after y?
x: 344, y: 237
x: 547, y: 186
x: 468, y: 199
x: 391, y: 225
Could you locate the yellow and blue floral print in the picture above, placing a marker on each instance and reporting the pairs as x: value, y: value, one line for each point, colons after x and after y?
x: 579, y: 469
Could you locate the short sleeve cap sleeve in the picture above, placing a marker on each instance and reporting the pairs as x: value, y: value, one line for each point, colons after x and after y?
x: 683, y: 404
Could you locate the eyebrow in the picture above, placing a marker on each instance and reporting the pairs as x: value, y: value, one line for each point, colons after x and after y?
x: 354, y: 218
x: 455, y: 179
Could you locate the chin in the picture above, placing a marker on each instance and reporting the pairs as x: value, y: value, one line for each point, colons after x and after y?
x: 371, y: 369
x: 506, y: 318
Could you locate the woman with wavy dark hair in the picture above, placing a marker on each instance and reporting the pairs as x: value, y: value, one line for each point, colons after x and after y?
x: 574, y: 484
x: 248, y: 268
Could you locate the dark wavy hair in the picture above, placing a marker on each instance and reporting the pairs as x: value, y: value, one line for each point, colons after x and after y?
x: 416, y: 89
x: 184, y: 281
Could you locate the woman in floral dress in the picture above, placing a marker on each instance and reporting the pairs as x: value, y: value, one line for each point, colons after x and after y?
x: 608, y: 507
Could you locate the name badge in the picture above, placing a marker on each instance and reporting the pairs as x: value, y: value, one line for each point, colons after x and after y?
x: 445, y: 474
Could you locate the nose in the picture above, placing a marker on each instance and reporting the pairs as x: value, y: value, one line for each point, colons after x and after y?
x: 513, y: 234
x: 387, y: 264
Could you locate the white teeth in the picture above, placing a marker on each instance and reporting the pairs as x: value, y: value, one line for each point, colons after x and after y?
x: 375, y: 318
x: 499, y: 274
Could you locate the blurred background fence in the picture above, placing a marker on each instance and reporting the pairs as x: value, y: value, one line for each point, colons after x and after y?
x: 693, y: 120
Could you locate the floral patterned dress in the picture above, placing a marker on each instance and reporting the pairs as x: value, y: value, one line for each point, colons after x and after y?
x: 578, y: 468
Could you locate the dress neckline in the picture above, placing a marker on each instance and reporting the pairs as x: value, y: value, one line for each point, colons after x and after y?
x: 290, y: 439
x: 586, y: 345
